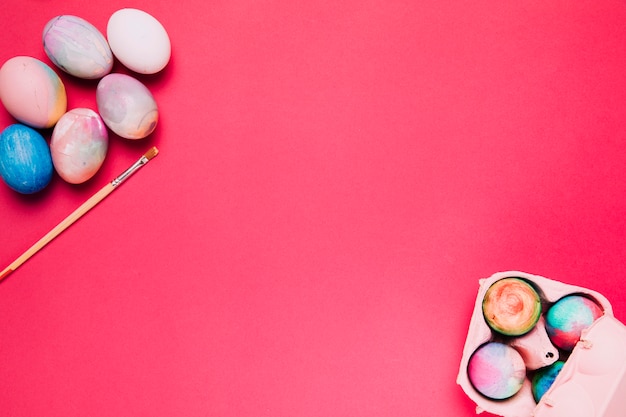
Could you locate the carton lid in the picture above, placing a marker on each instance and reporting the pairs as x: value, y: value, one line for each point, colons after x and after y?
x: 592, y: 382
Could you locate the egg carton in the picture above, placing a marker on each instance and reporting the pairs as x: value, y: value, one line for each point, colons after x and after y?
x: 592, y: 382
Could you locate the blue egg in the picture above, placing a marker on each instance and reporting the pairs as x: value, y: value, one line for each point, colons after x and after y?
x: 544, y: 378
x: 25, y: 161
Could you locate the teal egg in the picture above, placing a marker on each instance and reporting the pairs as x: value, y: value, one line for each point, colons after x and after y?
x: 568, y: 317
x: 25, y: 161
x: 544, y: 378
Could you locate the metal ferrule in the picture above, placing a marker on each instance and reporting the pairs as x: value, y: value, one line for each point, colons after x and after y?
x: 122, y: 177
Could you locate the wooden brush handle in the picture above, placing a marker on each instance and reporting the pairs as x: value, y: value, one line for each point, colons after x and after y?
x: 78, y: 213
x: 59, y: 228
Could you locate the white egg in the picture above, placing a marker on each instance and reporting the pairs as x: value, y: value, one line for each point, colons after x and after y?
x: 138, y: 40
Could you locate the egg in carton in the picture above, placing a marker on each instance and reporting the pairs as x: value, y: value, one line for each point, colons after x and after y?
x: 537, y: 347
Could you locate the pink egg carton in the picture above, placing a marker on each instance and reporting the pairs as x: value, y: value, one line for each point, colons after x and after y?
x: 592, y: 383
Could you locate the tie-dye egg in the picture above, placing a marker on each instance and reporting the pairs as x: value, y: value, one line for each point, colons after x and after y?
x: 511, y: 306
x: 568, y: 317
x: 126, y: 106
x: 79, y: 145
x: 496, y: 370
x: 77, y: 47
x: 32, y: 92
x: 25, y: 162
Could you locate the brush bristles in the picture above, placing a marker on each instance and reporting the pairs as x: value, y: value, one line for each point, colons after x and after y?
x: 151, y: 153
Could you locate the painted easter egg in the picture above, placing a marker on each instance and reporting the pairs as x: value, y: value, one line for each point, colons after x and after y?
x: 568, y: 317
x: 496, y: 370
x: 544, y: 378
x: 32, y: 92
x: 79, y: 145
x: 77, y: 47
x: 138, y: 40
x: 126, y: 106
x: 25, y: 162
x: 511, y: 306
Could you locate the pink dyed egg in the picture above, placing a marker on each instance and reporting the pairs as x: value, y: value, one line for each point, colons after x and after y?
x: 32, y: 92
x: 496, y: 370
x: 126, y: 106
x: 79, y: 145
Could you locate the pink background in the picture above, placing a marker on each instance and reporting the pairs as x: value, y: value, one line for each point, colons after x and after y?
x: 334, y: 178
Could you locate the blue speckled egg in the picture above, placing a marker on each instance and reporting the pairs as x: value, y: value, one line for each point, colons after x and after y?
x: 25, y: 161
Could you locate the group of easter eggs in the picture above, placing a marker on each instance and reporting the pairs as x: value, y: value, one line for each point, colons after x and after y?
x: 512, y: 308
x: 34, y: 94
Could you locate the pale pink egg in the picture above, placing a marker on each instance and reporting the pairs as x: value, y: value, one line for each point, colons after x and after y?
x: 32, y: 92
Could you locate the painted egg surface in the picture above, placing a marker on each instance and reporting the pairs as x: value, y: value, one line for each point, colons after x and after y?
x: 568, y: 317
x: 25, y: 161
x: 32, y: 92
x: 78, y: 145
x: 496, y: 370
x: 139, y: 41
x: 126, y: 106
x: 544, y: 378
x: 511, y: 306
x: 77, y: 47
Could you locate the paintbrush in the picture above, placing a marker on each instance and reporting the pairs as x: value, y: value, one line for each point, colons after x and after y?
x: 79, y: 212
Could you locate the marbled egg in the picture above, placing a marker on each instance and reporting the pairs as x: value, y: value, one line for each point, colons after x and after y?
x: 544, y: 378
x: 25, y: 162
x: 568, y: 317
x: 511, y: 306
x: 126, y: 106
x: 138, y: 40
x: 496, y: 370
x: 79, y: 145
x: 32, y: 92
x: 77, y: 47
